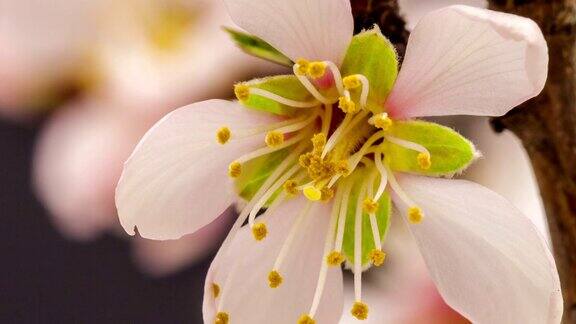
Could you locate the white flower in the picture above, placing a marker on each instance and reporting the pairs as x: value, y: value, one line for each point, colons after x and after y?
x: 486, y: 258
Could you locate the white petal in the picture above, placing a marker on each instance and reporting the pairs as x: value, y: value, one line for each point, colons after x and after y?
x: 469, y: 61
x: 488, y: 260
x: 176, y: 180
x: 413, y: 10
x: 250, y: 299
x: 311, y: 29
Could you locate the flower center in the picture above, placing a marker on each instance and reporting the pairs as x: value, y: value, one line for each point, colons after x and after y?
x: 330, y: 139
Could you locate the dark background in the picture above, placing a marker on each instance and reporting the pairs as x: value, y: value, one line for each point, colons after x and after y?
x: 45, y: 278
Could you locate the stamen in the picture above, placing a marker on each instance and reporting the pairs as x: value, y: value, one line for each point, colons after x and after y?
x: 346, y: 188
x: 415, y: 214
x: 351, y: 82
x: 306, y: 319
x: 347, y: 124
x: 291, y: 235
x: 358, y: 246
x: 381, y: 121
x: 377, y: 257
x: 423, y: 158
x: 324, y: 267
x: 346, y: 104
x: 312, y: 193
x: 223, y: 135
x: 327, y: 119
x: 280, y: 99
x: 234, y: 169
x: 299, y: 124
x: 309, y: 86
x: 242, y: 91
x: 291, y: 187
x: 369, y: 206
x: 303, y: 66
x: 274, y: 279
x: 424, y: 161
x: 274, y: 139
x: 326, y: 194
x: 335, y: 258
x: 318, y: 142
x: 215, y: 290
x: 222, y: 318
x: 267, y: 150
x: 316, y: 70
x: 259, y: 231
x: 264, y: 198
x: 337, y: 76
x: 354, y: 81
x: 359, y: 310
x: 383, y: 175
x: 343, y: 167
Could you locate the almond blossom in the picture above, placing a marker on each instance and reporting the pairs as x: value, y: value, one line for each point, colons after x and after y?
x: 318, y: 158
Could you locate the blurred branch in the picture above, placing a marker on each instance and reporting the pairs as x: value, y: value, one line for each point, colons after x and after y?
x: 546, y: 125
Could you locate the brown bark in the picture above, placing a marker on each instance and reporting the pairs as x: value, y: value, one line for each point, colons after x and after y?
x: 546, y: 125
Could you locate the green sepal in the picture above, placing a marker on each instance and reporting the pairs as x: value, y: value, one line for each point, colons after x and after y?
x: 256, y: 171
x: 287, y: 86
x: 383, y: 216
x: 257, y: 47
x: 371, y: 54
x: 450, y: 152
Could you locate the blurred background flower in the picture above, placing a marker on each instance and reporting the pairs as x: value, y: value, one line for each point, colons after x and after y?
x: 93, y: 76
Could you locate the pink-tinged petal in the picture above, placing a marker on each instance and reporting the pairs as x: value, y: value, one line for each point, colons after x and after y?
x: 176, y: 180
x: 161, y: 258
x: 487, y: 259
x: 469, y: 61
x: 77, y: 163
x: 311, y: 29
x: 249, y: 299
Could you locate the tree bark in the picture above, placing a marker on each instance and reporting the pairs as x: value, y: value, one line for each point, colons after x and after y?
x: 546, y: 125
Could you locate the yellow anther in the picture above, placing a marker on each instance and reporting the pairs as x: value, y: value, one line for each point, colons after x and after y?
x: 351, y: 82
x: 305, y: 160
x: 291, y: 187
x: 382, y: 121
x: 369, y: 206
x: 274, y: 279
x: 242, y: 91
x: 234, y: 169
x: 316, y: 70
x: 343, y: 167
x: 348, y: 106
x: 335, y: 258
x: 303, y: 66
x: 326, y: 194
x: 319, y: 141
x: 223, y: 135
x: 415, y: 215
x: 259, y: 231
x: 274, y: 139
x: 377, y: 257
x: 359, y: 310
x: 222, y: 318
x: 306, y: 319
x: 312, y: 193
x: 424, y: 161
x: 215, y: 290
